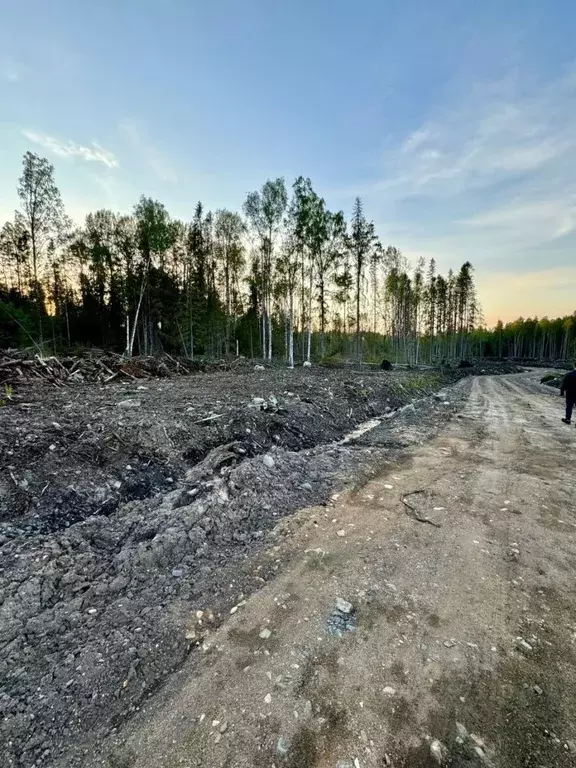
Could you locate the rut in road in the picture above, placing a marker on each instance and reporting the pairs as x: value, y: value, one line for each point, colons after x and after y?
x: 470, y: 623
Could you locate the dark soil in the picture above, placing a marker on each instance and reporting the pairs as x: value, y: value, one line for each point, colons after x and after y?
x: 116, y: 518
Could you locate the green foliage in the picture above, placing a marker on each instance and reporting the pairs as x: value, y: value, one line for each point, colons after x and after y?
x: 294, y: 279
x: 7, y: 395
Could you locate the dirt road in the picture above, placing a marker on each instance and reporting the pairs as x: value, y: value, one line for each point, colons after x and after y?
x: 470, y: 620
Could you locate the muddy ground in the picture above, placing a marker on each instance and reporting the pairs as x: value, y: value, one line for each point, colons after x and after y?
x: 122, y: 507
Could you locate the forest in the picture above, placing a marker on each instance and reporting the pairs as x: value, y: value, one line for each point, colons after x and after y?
x: 286, y: 279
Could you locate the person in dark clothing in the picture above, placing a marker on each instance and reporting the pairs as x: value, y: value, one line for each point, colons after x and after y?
x: 568, y: 388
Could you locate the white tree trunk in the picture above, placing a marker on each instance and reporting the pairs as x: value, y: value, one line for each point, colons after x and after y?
x: 291, y: 334
x: 136, y: 316
x: 269, y: 337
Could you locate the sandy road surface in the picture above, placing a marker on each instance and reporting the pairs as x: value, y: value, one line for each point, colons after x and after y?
x: 472, y: 622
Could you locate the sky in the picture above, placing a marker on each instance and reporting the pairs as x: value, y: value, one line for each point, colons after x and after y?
x: 454, y: 121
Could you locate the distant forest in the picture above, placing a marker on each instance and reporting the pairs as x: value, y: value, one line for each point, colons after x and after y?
x: 285, y: 279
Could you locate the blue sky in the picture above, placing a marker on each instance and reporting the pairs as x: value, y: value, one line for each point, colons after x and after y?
x: 454, y: 120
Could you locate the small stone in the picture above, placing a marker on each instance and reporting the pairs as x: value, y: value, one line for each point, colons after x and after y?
x: 389, y: 691
x: 92, y: 611
x: 341, y: 532
x: 233, y: 610
x: 523, y: 645
x: 462, y: 732
x: 129, y: 404
x: 306, y: 364
x: 52, y: 447
x: 343, y: 605
x: 259, y: 368
x: 217, y: 738
x: 283, y: 746
x: 117, y: 484
x: 268, y: 461
x: 265, y: 634
x: 477, y: 740
x: 177, y: 572
x: 224, y: 727
x: 388, y: 487
x: 268, y: 698
x: 437, y: 751
x: 449, y: 643
x: 538, y: 690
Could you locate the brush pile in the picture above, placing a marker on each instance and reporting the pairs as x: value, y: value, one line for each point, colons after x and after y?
x: 99, y: 367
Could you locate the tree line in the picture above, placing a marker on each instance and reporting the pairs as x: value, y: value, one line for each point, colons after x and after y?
x: 286, y: 278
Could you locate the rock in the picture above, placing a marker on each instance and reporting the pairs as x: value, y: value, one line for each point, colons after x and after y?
x: 522, y: 645
x: 437, y: 750
x: 224, y: 727
x: 461, y: 731
x: 283, y: 746
x: 265, y: 634
x: 341, y: 532
x: 538, y: 690
x: 259, y: 368
x: 307, y: 709
x: 345, y: 764
x: 306, y: 364
x: 268, y: 699
x: 389, y: 691
x: 268, y: 461
x: 129, y: 404
x: 177, y: 572
x: 343, y: 605
x: 449, y: 643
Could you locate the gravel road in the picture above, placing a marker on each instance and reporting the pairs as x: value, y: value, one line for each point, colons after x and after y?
x: 459, y: 649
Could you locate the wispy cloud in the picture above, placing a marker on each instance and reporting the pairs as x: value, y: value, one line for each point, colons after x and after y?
x: 94, y: 153
x: 502, y: 130
x: 488, y: 176
x: 148, y: 151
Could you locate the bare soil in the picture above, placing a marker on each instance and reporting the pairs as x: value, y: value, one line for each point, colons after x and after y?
x: 465, y: 631
x: 123, y: 505
x: 132, y: 634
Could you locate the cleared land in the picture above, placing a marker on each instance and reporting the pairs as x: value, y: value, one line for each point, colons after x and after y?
x: 97, y: 615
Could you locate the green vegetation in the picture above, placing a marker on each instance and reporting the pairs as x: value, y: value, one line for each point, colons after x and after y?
x: 290, y: 280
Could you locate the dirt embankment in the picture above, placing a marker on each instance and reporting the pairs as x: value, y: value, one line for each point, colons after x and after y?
x: 123, y: 506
